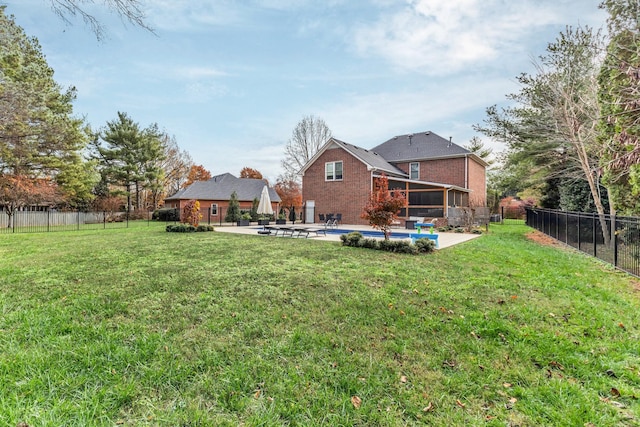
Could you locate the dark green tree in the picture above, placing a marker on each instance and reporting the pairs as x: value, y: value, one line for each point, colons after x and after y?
x: 619, y: 126
x: 129, y: 156
x: 40, y: 139
x: 233, y: 211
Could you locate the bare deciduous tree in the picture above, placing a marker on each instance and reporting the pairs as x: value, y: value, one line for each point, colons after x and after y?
x: 307, y: 138
x: 129, y: 10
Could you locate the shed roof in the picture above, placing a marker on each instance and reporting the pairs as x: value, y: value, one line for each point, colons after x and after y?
x: 221, y: 186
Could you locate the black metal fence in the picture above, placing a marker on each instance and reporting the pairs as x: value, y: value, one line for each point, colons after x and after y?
x: 52, y: 220
x: 615, y: 240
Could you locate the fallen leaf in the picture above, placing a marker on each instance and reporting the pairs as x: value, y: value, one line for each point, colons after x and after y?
x: 403, y: 379
x: 513, y: 400
x: 507, y: 385
x: 460, y: 404
x: 256, y: 395
x: 428, y: 408
x: 356, y: 402
x: 402, y: 313
x: 615, y: 392
x: 557, y: 365
x: 514, y: 296
x: 621, y: 325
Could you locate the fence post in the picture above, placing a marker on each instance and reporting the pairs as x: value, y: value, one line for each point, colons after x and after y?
x: 48, y: 220
x: 502, y: 215
x: 615, y: 249
x: 78, y: 220
x: 579, y: 237
x: 593, y: 226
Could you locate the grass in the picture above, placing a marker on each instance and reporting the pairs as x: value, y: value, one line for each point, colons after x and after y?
x: 142, y: 327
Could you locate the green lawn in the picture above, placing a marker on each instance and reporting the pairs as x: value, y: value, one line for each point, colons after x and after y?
x: 142, y: 327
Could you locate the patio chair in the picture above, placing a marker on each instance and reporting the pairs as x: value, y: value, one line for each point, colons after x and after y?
x: 338, y: 218
x: 321, y: 217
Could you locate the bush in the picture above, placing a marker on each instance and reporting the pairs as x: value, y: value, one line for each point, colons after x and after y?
x: 355, y: 239
x: 425, y: 245
x: 166, y: 214
x: 476, y: 231
x: 398, y: 246
x: 187, y: 228
x: 369, y: 244
x: 351, y: 239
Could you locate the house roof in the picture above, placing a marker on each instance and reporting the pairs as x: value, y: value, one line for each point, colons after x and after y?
x: 373, y: 160
x: 220, y: 187
x: 421, y: 146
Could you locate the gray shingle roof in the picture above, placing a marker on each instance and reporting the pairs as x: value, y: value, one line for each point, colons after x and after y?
x: 418, y: 146
x: 220, y: 187
x: 370, y: 158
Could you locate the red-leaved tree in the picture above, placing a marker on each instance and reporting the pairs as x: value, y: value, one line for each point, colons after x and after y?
x: 191, y: 213
x: 383, y: 206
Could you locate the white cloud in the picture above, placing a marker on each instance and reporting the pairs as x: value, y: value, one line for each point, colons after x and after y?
x: 368, y: 120
x: 439, y: 38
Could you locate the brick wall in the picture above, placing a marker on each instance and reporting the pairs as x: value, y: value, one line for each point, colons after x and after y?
x: 348, y: 196
x: 477, y: 183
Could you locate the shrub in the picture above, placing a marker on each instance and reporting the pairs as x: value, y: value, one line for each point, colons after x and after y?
x: 351, y: 239
x: 459, y: 230
x: 166, y: 214
x: 369, y: 244
x: 425, y: 245
x: 399, y: 246
x: 187, y: 228
x: 191, y: 213
x: 476, y: 231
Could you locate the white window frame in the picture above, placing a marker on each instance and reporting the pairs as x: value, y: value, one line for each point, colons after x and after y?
x: 417, y: 170
x: 214, y: 209
x: 330, y: 171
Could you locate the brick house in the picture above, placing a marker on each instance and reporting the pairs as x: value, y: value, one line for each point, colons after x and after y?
x: 214, y: 195
x: 433, y: 172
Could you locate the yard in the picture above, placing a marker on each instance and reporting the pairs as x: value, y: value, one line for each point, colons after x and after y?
x: 137, y: 326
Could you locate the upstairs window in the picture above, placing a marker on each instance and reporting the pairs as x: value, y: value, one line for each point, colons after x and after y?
x: 414, y: 170
x: 214, y: 209
x: 333, y: 171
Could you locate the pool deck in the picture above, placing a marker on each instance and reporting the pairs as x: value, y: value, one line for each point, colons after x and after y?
x: 445, y: 240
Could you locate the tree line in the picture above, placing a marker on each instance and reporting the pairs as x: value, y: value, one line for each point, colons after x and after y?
x: 572, y: 130
x: 51, y: 158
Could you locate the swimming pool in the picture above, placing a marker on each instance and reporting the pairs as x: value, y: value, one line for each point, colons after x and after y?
x: 369, y: 233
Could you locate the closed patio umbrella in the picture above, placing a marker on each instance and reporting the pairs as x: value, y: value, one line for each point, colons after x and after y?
x: 264, y: 206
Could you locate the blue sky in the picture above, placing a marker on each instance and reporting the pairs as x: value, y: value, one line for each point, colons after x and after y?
x: 231, y: 79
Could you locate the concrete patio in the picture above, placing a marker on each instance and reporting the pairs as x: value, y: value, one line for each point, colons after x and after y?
x: 445, y: 240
